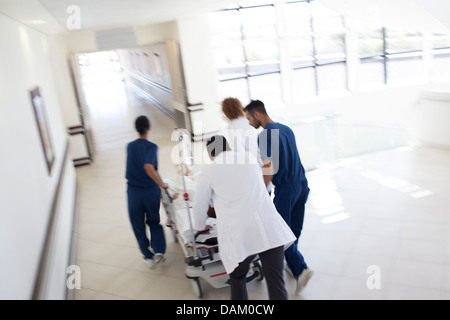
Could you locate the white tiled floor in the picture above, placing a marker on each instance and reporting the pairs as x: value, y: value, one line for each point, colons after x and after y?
x: 388, y: 210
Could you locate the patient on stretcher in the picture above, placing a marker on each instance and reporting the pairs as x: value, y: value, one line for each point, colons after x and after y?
x: 176, y: 191
x: 176, y: 186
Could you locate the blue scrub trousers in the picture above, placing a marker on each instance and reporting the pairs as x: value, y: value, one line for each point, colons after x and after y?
x: 290, y: 202
x: 143, y: 208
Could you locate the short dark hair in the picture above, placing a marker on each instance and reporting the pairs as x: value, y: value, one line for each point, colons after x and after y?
x: 216, y: 145
x: 142, y: 124
x: 256, y: 105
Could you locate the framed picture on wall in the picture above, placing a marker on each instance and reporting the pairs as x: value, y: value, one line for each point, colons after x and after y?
x: 42, y: 123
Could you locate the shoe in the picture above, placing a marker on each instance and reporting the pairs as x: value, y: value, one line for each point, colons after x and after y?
x: 288, y: 270
x: 150, y: 263
x: 159, y: 257
x: 303, y: 279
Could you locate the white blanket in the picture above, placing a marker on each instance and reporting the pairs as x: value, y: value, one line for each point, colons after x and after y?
x: 181, y: 217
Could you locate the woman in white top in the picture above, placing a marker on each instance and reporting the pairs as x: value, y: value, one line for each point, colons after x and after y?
x: 240, y: 133
x: 247, y: 221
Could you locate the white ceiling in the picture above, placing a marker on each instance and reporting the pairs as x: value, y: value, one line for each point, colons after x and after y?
x: 51, y: 16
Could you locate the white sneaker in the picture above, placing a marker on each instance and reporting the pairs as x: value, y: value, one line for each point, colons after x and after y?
x: 150, y: 263
x: 303, y: 279
x: 159, y: 257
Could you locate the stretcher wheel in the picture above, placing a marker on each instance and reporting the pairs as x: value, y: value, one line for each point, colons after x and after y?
x: 197, y: 287
x: 257, y: 267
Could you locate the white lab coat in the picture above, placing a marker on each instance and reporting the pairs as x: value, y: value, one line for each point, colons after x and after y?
x: 241, y: 134
x: 247, y: 221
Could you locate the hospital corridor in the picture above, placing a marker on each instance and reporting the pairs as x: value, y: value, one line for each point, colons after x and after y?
x: 388, y: 210
x: 364, y: 89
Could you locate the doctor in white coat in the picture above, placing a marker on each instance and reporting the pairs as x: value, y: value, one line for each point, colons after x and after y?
x: 247, y: 221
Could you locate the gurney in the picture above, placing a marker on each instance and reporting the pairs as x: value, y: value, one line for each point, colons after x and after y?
x: 200, y: 248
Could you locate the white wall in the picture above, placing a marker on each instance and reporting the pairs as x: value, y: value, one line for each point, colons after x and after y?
x: 27, y: 189
x: 200, y: 73
x: 431, y: 117
x: 65, y: 89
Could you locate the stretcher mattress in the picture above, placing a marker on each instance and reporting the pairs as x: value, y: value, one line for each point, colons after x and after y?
x: 181, y: 218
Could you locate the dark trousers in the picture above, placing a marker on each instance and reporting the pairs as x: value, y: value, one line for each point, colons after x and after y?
x: 143, y: 209
x: 290, y: 202
x: 272, y: 263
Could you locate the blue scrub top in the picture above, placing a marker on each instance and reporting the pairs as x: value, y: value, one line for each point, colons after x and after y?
x: 139, y: 153
x: 277, y: 143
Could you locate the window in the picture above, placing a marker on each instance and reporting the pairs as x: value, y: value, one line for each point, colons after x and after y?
x: 237, y: 88
x: 440, y: 69
x: 246, y: 50
x: 331, y: 78
x: 372, y: 58
x: 303, y: 84
x: 403, y: 56
x: 329, y: 34
x: 299, y: 48
x: 316, y: 43
x: 371, y: 72
x: 389, y: 57
x: 228, y: 49
x: 299, y: 35
x: 266, y: 88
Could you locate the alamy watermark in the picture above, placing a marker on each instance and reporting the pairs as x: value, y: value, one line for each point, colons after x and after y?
x: 73, y: 21
x: 73, y: 277
x: 267, y: 146
x: 374, y: 279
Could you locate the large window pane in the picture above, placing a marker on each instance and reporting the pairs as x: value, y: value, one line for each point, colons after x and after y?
x: 225, y: 27
x: 371, y: 51
x: 298, y: 20
x: 230, y: 62
x: 332, y: 79
x: 401, y: 41
x: 301, y: 52
x: 226, y: 39
x: 371, y: 73
x: 370, y: 42
x: 266, y: 88
x: 258, y: 23
x: 440, y: 70
x: 329, y: 34
x: 262, y: 57
x: 404, y: 69
x: 304, y: 85
x: 440, y: 41
x: 234, y: 88
x: 299, y: 33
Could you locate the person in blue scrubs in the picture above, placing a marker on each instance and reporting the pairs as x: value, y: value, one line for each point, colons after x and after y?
x: 282, y: 166
x: 144, y: 194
